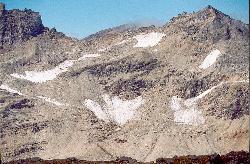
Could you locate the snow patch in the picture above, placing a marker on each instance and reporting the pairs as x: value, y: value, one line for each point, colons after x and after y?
x: 210, y: 59
x: 44, y: 76
x: 7, y: 88
x: 53, y: 101
x: 115, y: 109
x: 186, y: 111
x: 148, y: 40
x: 96, y: 109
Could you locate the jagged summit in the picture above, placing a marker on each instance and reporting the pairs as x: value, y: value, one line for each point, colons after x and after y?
x: 27, y: 24
x: 212, y: 18
x: 210, y: 10
x: 2, y: 6
x: 17, y: 26
x: 203, y: 14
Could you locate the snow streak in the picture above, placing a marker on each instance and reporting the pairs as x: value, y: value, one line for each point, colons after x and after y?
x: 7, y: 88
x: 44, y: 76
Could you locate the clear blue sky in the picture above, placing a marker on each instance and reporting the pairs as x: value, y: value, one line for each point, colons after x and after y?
x: 79, y: 18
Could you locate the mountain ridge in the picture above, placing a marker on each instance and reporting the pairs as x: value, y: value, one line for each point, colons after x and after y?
x: 183, y: 86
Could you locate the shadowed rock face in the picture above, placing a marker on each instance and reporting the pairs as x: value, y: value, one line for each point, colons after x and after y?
x: 232, y: 157
x: 123, y: 66
x: 17, y: 26
x: 182, y: 108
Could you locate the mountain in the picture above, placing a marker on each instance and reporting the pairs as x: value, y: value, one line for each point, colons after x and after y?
x: 141, y: 92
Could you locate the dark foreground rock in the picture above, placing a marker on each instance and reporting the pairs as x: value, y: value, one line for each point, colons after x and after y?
x: 232, y: 158
x: 17, y: 26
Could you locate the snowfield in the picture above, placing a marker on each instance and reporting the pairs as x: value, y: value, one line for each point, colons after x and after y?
x: 186, y: 111
x: 210, y: 59
x: 7, y: 88
x: 44, y: 76
x: 148, y: 40
x: 115, y: 109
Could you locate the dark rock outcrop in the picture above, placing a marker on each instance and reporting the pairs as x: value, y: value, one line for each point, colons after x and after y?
x: 232, y: 157
x: 17, y: 26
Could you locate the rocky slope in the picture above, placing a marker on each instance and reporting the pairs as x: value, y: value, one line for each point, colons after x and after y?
x: 179, y: 89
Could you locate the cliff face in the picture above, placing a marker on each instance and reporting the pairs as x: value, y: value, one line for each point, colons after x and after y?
x: 140, y: 92
x: 18, y: 26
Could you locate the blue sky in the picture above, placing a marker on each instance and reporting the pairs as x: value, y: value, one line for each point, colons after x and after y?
x: 80, y: 18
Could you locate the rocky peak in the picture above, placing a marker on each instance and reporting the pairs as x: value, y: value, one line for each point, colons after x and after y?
x: 208, y: 24
x: 2, y: 7
x: 210, y: 11
x: 17, y: 26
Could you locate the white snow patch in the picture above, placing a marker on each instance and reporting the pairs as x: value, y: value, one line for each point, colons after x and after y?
x: 210, y: 59
x: 7, y: 88
x: 186, y: 112
x: 43, y: 76
x: 96, y: 109
x: 115, y: 109
x: 53, y: 101
x: 148, y: 40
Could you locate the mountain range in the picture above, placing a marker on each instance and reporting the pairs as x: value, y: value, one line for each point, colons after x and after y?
x: 140, y: 92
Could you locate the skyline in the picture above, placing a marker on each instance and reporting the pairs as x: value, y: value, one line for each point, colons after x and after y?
x: 80, y: 18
